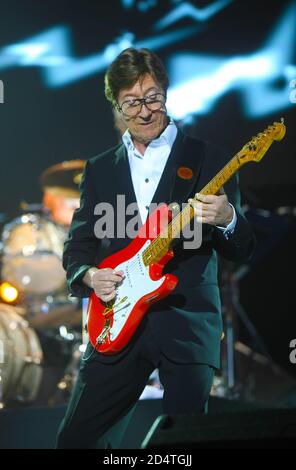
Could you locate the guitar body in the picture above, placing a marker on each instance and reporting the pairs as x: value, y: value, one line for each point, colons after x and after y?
x: 111, y: 328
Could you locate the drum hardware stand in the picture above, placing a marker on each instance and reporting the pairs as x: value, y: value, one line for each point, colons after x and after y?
x: 234, y: 310
x: 2, y: 404
x: 65, y: 385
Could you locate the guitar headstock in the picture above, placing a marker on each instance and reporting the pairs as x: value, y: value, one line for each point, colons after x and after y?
x: 256, y: 148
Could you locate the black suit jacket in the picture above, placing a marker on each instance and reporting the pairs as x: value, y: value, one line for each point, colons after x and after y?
x: 187, y: 325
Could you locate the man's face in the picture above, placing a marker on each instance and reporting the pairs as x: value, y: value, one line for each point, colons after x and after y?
x: 147, y: 125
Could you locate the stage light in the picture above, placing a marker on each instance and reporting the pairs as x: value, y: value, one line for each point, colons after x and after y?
x: 186, y: 10
x: 8, y: 293
x: 199, y: 81
x: 51, y: 50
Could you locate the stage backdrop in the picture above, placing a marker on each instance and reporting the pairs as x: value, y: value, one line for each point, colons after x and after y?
x: 232, y: 69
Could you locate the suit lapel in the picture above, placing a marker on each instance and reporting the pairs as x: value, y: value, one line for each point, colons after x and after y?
x: 165, y: 186
x: 181, y: 172
x: 123, y: 175
x: 187, y: 169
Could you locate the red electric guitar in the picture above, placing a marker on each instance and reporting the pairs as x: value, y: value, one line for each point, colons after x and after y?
x: 110, y: 325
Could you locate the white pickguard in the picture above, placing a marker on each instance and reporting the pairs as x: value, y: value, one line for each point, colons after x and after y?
x: 135, y: 285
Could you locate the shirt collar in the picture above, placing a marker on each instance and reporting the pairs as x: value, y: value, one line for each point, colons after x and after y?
x: 166, y: 138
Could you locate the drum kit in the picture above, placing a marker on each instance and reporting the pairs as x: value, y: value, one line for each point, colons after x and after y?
x: 40, y: 332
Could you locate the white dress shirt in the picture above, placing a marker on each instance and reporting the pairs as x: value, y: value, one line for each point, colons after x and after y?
x: 146, y: 170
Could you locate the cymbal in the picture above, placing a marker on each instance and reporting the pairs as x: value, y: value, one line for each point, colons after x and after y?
x: 63, y: 179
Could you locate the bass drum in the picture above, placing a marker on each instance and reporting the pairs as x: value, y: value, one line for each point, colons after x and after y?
x: 21, y: 361
x: 32, y: 254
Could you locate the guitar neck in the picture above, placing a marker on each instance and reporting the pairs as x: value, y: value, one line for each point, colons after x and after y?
x: 161, y: 244
x: 254, y: 150
x: 184, y: 217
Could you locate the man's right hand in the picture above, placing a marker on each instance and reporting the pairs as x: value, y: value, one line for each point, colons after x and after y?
x: 103, y: 282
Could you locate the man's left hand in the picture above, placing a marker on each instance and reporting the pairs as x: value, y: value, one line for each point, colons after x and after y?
x: 213, y: 210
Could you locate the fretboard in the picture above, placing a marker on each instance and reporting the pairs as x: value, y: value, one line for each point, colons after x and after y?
x: 254, y: 150
x: 161, y: 244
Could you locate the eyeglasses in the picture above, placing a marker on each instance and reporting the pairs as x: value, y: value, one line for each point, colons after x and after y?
x: 133, y: 107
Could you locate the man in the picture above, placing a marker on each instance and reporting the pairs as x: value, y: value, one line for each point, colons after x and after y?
x: 181, y: 334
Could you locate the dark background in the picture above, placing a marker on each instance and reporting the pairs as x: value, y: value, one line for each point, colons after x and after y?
x: 42, y: 125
